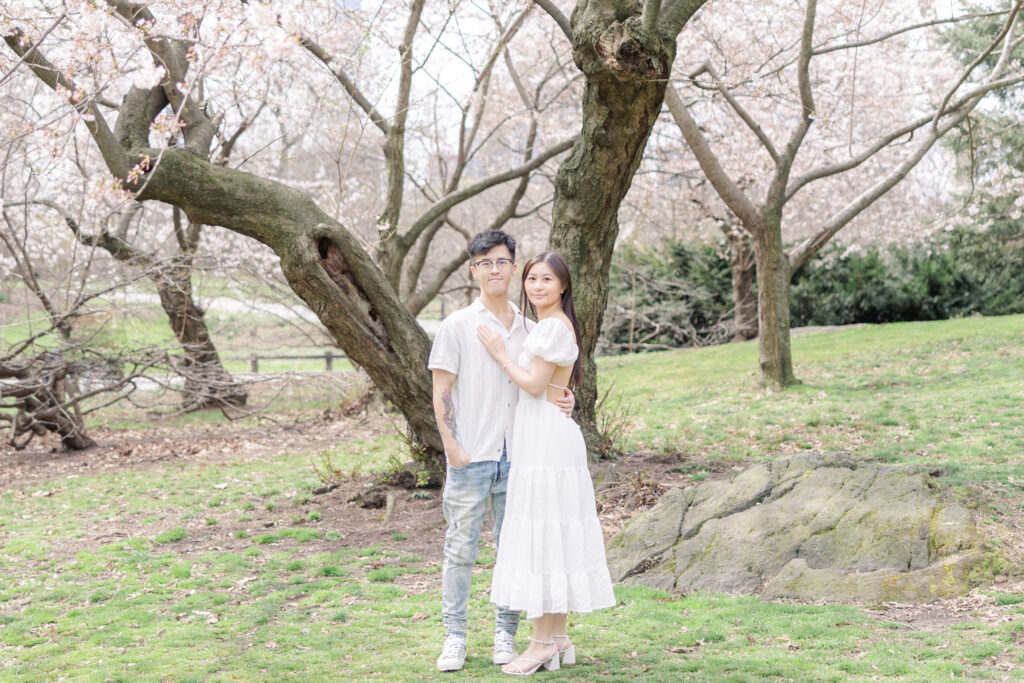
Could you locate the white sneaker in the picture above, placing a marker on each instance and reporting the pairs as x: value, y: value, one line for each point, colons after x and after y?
x: 453, y: 655
x: 504, y: 647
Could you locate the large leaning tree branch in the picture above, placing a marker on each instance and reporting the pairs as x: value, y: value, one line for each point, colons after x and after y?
x: 323, y: 262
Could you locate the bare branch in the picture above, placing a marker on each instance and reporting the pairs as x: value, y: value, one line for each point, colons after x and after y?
x: 394, y: 147
x: 347, y: 83
x: 445, y: 204
x: 114, y: 155
x: 904, y: 29
x: 229, y: 145
x: 462, y: 230
x: 1007, y: 27
x: 738, y: 108
x: 728, y: 190
x: 552, y: 9
x: 517, y: 80
x: 430, y: 290
x: 479, y: 94
x: 777, y: 188
x: 28, y: 276
x: 895, y: 134
x: 115, y: 246
x: 805, y: 250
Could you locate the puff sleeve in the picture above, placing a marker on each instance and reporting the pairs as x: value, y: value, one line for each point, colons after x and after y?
x: 552, y: 341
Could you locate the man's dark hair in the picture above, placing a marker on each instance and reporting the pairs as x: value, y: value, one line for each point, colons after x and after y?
x: 488, y: 239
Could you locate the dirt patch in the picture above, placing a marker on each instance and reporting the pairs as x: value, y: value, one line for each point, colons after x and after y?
x: 979, y: 606
x: 414, y: 528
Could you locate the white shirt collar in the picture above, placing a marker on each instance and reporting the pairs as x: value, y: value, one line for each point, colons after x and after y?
x: 478, y: 307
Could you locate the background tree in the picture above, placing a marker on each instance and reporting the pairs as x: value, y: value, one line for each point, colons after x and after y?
x: 40, y: 374
x: 763, y: 218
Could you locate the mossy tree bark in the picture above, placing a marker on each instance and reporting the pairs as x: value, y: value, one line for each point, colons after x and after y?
x: 774, y: 356
x: 625, y: 51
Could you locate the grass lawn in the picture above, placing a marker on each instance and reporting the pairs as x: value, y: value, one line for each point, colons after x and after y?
x: 168, y: 572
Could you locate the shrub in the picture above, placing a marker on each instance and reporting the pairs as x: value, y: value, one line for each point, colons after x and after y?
x: 676, y: 294
x: 680, y: 294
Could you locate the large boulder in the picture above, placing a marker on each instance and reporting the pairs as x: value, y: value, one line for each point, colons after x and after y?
x: 809, y: 526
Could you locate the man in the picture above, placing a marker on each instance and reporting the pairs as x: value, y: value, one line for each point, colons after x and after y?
x: 474, y: 402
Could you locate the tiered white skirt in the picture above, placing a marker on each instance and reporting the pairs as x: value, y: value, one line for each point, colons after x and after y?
x: 551, y: 553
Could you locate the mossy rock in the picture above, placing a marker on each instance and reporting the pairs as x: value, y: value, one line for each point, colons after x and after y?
x: 809, y: 526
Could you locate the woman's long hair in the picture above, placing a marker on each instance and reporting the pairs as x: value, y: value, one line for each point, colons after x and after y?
x: 560, y: 266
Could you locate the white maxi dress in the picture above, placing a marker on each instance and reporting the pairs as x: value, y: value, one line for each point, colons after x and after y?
x: 551, y: 557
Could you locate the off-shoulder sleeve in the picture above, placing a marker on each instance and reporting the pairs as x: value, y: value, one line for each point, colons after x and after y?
x: 552, y: 341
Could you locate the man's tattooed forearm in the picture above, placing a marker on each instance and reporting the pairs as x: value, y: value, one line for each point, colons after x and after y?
x: 449, y: 410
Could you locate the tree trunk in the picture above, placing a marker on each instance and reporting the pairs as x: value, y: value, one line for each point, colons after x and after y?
x: 207, y: 383
x: 741, y: 267
x: 626, y: 72
x: 38, y: 391
x: 774, y: 356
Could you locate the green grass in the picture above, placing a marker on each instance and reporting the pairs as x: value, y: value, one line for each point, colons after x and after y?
x: 938, y: 393
x: 185, y: 600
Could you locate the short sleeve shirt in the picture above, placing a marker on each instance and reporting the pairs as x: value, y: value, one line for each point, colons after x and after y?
x: 483, y: 396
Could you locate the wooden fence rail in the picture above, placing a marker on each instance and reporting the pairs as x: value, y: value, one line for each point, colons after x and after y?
x: 327, y: 357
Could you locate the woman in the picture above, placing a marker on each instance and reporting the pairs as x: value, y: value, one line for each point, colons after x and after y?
x: 551, y: 559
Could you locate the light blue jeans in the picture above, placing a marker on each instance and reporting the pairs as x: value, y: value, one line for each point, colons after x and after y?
x: 466, y: 491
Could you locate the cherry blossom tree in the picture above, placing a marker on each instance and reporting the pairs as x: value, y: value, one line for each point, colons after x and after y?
x: 787, y: 98
x: 170, y: 76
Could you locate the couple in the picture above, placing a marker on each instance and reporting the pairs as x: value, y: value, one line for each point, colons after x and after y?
x: 501, y: 399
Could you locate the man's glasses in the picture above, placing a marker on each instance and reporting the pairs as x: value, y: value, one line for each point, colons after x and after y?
x: 487, y: 263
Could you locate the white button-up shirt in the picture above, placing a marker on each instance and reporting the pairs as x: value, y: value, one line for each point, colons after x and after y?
x: 484, y: 396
